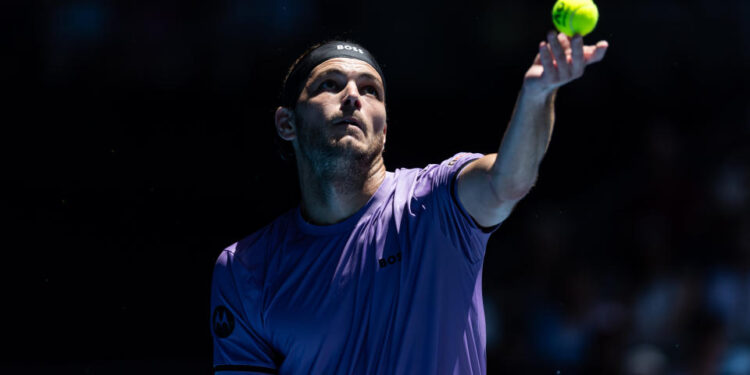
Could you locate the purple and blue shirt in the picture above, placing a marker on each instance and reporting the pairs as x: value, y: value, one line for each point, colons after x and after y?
x: 396, y: 288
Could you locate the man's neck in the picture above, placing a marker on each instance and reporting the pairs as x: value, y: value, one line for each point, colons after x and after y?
x: 328, y: 200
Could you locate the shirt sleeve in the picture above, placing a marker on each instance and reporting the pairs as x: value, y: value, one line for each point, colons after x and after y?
x: 239, y: 347
x: 436, y: 187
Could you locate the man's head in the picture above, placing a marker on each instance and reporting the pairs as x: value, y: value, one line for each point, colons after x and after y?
x: 333, y: 107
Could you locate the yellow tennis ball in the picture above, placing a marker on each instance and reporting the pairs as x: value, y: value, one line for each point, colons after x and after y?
x: 575, y: 16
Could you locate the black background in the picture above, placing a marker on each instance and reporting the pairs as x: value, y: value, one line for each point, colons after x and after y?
x: 137, y: 142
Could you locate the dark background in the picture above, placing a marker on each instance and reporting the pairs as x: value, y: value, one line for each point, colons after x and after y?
x: 137, y: 142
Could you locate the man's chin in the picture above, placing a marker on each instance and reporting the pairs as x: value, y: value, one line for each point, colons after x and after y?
x: 348, y: 141
x: 349, y: 147
x: 346, y: 151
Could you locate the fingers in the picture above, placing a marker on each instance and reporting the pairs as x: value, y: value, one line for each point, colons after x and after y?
x: 559, y: 54
x: 595, y: 53
x: 577, y: 61
x: 564, y: 41
x: 538, y: 58
x: 549, y: 66
x: 564, y: 59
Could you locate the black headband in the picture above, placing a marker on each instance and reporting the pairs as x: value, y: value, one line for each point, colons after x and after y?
x: 297, y: 78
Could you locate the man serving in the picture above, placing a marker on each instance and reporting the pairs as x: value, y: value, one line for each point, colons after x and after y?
x: 377, y: 272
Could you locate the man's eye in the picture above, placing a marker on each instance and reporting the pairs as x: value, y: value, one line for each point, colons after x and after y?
x: 329, y: 85
x: 371, y: 90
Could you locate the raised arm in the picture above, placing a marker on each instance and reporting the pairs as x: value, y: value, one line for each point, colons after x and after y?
x: 490, y: 187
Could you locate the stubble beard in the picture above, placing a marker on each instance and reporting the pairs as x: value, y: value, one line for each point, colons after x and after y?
x: 332, y: 160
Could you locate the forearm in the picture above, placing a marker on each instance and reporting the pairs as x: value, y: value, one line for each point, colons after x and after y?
x: 489, y: 187
x: 524, y: 144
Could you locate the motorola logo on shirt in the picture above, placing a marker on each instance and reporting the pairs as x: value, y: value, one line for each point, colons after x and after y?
x: 223, y: 322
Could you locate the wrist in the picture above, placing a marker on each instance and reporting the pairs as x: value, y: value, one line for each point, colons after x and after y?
x: 529, y: 93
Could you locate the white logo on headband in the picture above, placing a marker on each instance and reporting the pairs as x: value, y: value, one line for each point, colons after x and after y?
x: 349, y: 48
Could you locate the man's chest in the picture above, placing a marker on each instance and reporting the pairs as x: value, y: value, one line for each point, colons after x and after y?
x: 336, y: 293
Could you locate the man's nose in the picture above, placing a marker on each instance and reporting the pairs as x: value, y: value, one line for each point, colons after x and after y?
x: 351, y: 96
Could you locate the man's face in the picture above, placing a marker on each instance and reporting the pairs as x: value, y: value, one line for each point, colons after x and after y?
x: 340, y: 113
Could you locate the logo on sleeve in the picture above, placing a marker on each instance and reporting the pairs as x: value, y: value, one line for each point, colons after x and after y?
x: 223, y: 322
x: 456, y: 158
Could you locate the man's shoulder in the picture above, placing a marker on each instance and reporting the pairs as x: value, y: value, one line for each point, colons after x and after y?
x: 433, y: 175
x: 257, y: 246
x: 456, y: 160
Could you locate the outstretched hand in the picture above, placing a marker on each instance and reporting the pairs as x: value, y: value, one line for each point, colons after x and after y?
x: 559, y: 61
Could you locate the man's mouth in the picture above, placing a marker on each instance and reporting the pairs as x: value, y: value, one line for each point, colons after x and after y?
x: 347, y: 120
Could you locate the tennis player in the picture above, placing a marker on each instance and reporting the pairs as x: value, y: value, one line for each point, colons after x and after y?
x: 376, y: 271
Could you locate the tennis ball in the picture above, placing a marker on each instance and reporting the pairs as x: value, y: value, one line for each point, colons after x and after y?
x: 575, y: 16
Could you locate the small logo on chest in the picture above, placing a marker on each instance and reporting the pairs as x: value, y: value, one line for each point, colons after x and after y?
x: 385, y: 262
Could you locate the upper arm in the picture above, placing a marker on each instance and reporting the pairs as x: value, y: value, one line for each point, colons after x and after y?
x: 239, y: 343
x: 476, y: 192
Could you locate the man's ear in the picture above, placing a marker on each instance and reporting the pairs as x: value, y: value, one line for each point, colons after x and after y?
x: 285, y: 125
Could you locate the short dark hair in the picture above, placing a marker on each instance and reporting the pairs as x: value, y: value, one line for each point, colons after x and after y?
x: 284, y: 148
x: 287, y: 98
